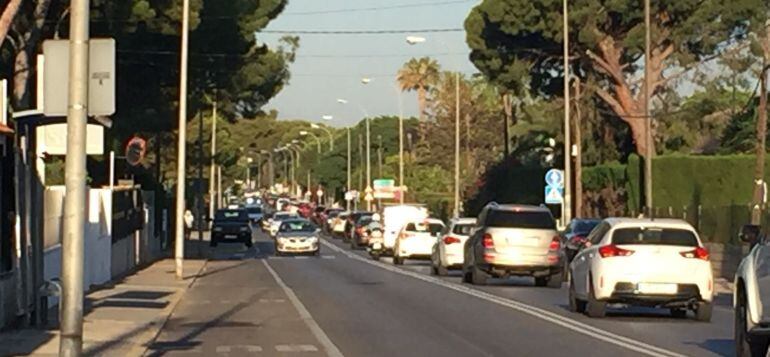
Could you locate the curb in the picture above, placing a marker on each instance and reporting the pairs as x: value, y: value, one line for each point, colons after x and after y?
x: 146, y: 346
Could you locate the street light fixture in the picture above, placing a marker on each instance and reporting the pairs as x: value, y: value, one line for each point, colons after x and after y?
x: 318, y: 141
x: 413, y: 40
x: 327, y: 117
x: 329, y: 132
x: 368, y: 151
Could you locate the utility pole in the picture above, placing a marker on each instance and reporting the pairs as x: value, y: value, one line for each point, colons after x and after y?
x: 379, y: 155
x: 73, y: 241
x: 578, y: 153
x: 401, y: 185
x: 566, y: 212
x: 349, y: 181
x: 219, y: 186
x: 457, y: 145
x: 368, y: 164
x: 199, y: 187
x: 181, y: 147
x: 212, y: 189
x: 648, y: 119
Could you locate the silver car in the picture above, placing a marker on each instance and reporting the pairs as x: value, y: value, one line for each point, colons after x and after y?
x: 514, y: 240
x: 752, y: 296
x: 296, y: 236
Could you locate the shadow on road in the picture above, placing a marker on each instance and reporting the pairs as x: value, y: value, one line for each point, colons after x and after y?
x: 722, y: 347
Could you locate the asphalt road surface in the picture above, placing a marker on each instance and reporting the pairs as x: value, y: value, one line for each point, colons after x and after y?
x: 252, y: 303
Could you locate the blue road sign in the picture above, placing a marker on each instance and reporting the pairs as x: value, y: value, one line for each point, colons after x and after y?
x: 554, y: 178
x: 554, y: 195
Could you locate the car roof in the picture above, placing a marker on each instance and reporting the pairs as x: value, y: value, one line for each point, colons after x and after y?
x: 427, y: 220
x: 295, y: 220
x: 623, y: 222
x: 517, y: 207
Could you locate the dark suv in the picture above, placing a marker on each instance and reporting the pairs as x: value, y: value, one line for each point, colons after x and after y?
x: 514, y: 240
x: 231, y: 224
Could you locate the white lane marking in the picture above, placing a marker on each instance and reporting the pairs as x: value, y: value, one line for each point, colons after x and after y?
x: 301, y: 257
x: 247, y: 348
x: 224, y: 349
x: 574, y: 325
x: 319, y: 333
x: 328, y: 257
x: 296, y: 348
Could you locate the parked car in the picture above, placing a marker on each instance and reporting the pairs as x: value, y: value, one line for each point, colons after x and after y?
x: 278, y: 218
x: 751, y: 297
x: 656, y: 263
x: 514, y: 240
x: 575, y: 235
x: 255, y: 214
x: 297, y: 235
x: 394, y: 218
x: 416, y: 240
x: 447, y: 251
x: 231, y: 224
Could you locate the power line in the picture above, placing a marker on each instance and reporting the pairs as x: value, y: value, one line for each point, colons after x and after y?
x: 357, y: 32
x: 377, y: 8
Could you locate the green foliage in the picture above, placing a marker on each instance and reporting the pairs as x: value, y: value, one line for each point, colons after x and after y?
x: 598, y: 177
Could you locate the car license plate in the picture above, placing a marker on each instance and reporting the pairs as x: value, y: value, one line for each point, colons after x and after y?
x: 657, y: 289
x: 377, y: 246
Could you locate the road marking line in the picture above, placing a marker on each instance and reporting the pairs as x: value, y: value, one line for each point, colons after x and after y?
x: 224, y: 349
x: 328, y: 257
x: 536, y: 312
x: 319, y: 333
x: 296, y: 348
x: 301, y: 258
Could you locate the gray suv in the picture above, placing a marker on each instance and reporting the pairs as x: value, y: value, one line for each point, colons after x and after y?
x: 514, y: 240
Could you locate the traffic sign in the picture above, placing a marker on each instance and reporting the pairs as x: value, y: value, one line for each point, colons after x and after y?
x: 135, y: 150
x: 554, y: 195
x: 369, y: 197
x: 319, y: 193
x: 369, y: 189
x: 554, y: 178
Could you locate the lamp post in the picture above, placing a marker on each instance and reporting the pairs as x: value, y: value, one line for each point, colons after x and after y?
x: 317, y: 140
x: 566, y: 212
x: 182, y: 145
x: 328, y: 132
x: 413, y: 40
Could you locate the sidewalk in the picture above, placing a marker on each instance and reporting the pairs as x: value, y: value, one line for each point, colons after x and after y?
x: 119, y: 319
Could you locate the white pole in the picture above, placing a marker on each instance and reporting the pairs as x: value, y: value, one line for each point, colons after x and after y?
x: 457, y: 145
x: 181, y: 165
x: 219, y: 185
x: 112, y: 171
x: 212, y: 186
x: 73, y: 240
x: 567, y: 204
x: 401, y: 150
x: 648, y: 118
x: 348, y: 188
x: 368, y: 164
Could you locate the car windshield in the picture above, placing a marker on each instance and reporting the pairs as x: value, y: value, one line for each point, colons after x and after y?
x: 229, y: 215
x: 462, y: 229
x: 254, y: 210
x: 284, y: 216
x: 297, y: 226
x: 584, y: 226
x: 654, y: 236
x: 520, y: 219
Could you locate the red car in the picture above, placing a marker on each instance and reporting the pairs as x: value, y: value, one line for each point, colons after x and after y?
x: 305, y: 210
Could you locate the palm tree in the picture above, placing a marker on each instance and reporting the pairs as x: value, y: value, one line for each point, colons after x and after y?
x: 419, y: 75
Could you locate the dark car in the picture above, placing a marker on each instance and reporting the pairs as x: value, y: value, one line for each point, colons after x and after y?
x: 305, y: 210
x: 575, y: 235
x: 351, y: 223
x: 233, y: 225
x: 256, y: 214
x: 318, y: 215
x: 360, y: 237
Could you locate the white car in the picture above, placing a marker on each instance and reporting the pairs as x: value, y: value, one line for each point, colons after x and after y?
x: 416, y: 240
x: 448, y: 250
x: 656, y: 263
x: 751, y: 297
x: 394, y: 218
x: 278, y: 218
x: 297, y: 236
x: 338, y: 225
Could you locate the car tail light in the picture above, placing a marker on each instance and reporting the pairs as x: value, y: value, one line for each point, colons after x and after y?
x: 608, y: 251
x: 698, y: 253
x: 487, y: 241
x: 578, y: 239
x: 405, y: 236
x: 451, y: 240
x: 555, y: 244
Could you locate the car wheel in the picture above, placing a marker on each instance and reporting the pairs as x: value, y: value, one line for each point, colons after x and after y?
x: 746, y: 345
x: 703, y: 311
x: 541, y: 281
x: 398, y: 260
x: 317, y: 253
x: 555, y: 281
x: 442, y: 270
x: 466, y: 275
x: 678, y: 313
x: 478, y: 277
x: 248, y: 243
x: 353, y: 244
x: 575, y: 304
x: 594, y: 307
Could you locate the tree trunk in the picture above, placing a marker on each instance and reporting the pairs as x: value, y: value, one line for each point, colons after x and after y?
x: 6, y: 18
x: 23, y: 62
x: 759, y: 169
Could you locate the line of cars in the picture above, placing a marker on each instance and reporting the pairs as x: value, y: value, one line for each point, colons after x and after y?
x: 612, y: 262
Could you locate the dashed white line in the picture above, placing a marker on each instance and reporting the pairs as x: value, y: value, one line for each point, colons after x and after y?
x: 319, y: 333
x: 576, y: 326
x: 296, y: 348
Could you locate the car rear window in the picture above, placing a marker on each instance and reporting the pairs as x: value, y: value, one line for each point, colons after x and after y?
x: 462, y: 229
x: 525, y: 219
x: 654, y: 236
x: 230, y: 215
x: 432, y: 228
x: 254, y: 210
x: 297, y: 226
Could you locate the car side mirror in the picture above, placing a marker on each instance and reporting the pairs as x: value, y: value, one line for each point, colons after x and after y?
x: 749, y: 233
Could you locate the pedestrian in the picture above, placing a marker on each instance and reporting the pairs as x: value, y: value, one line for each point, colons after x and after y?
x: 188, y: 223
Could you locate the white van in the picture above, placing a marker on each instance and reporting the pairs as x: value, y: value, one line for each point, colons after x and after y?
x: 395, y: 217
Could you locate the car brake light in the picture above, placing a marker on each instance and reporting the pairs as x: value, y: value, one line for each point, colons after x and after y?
x: 451, y: 240
x: 405, y: 236
x: 608, y: 251
x: 698, y: 253
x: 555, y: 244
x: 487, y: 241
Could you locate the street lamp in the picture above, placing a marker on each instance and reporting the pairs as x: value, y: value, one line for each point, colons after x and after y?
x: 368, y: 147
x: 328, y: 117
x: 329, y: 132
x: 413, y: 40
x: 318, y: 141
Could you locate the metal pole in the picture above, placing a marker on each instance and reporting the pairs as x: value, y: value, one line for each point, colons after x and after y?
x: 368, y: 163
x: 272, y: 170
x: 248, y: 176
x: 212, y: 187
x: 348, y: 188
x: 457, y: 145
x: 379, y: 156
x: 567, y: 204
x: 73, y: 240
x: 181, y: 153
x: 219, y: 186
x: 112, y: 171
x: 648, y: 119
x: 401, y: 150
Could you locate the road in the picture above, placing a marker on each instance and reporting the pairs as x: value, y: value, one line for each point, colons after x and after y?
x: 250, y: 302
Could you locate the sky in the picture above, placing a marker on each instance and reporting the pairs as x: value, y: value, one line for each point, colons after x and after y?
x: 330, y: 67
